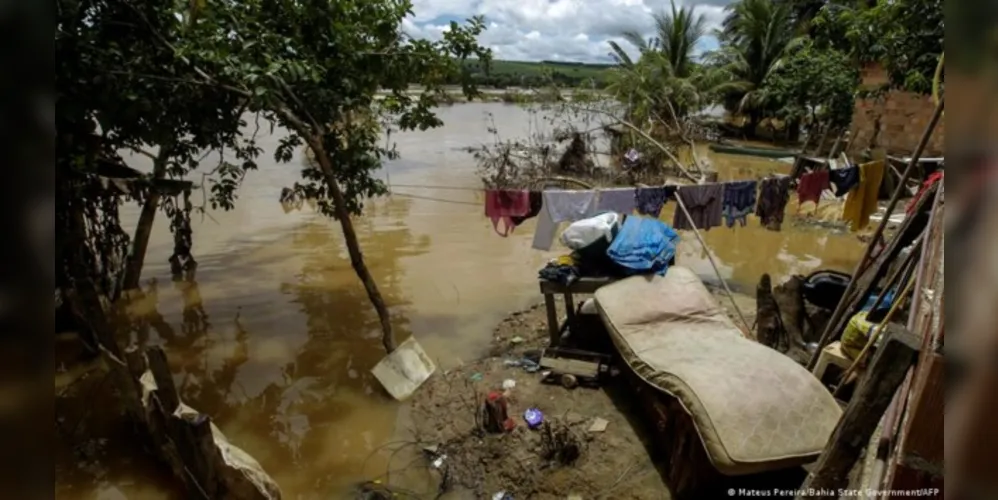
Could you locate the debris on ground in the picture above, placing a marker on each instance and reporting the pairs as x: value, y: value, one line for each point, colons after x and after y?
x: 598, y: 425
x: 558, y: 457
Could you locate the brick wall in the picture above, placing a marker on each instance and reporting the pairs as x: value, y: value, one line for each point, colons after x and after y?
x: 903, y: 117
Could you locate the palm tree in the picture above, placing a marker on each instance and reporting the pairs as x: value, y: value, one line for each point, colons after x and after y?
x: 665, y: 71
x: 754, y: 36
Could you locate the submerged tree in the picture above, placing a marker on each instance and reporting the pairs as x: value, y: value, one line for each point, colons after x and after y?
x: 180, y: 76
x: 315, y: 67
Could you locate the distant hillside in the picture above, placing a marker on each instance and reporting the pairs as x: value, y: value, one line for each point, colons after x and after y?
x: 532, y: 74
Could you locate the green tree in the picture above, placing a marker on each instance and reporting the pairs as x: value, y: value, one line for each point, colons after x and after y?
x: 906, y: 36
x: 315, y: 67
x: 813, y: 85
x: 663, y: 79
x: 312, y: 66
x: 106, y: 104
x: 754, y: 37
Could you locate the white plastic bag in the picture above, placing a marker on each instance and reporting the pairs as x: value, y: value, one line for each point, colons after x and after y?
x: 581, y: 234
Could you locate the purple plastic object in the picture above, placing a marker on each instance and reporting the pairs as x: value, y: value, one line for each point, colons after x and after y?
x: 534, y: 417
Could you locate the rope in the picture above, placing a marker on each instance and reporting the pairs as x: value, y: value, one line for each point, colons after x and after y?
x: 713, y: 264
x: 430, y: 198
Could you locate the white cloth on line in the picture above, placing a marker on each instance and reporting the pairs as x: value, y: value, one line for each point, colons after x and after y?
x: 561, y: 206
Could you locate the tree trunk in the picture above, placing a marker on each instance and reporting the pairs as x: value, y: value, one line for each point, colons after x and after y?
x: 353, y: 246
x: 140, y: 242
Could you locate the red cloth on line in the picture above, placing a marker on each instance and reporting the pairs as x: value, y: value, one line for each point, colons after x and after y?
x: 934, y: 178
x: 503, y: 205
x: 810, y: 186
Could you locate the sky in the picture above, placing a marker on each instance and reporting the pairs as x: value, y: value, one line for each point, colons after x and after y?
x: 556, y: 30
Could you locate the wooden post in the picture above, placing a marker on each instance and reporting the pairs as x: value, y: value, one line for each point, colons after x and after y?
x: 570, y: 308
x: 874, y: 394
x: 769, y: 326
x: 863, y: 283
x: 136, y: 362
x: 840, y: 310
x: 166, y: 391
x: 798, y: 160
x: 192, y: 435
x: 552, y: 313
x: 706, y: 249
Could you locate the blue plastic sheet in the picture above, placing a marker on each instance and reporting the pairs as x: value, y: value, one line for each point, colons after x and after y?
x: 644, y: 245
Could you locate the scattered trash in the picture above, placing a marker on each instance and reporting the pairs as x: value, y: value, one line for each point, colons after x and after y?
x: 502, y: 495
x: 533, y: 417
x: 508, y: 384
x: 476, y: 377
x: 432, y: 449
x: 516, y: 340
x: 598, y: 425
x: 439, y: 461
x: 527, y: 364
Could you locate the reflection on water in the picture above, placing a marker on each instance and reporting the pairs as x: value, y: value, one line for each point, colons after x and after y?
x: 276, y: 338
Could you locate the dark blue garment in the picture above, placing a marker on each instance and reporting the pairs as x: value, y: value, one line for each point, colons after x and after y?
x: 844, y: 179
x: 650, y: 200
x: 739, y: 201
x: 643, y: 246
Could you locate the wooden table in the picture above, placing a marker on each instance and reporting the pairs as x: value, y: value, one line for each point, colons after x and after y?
x: 584, y: 286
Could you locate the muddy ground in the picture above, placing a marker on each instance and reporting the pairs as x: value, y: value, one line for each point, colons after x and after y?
x: 617, y: 462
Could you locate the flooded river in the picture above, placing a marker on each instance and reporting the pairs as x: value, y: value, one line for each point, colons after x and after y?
x: 276, y: 339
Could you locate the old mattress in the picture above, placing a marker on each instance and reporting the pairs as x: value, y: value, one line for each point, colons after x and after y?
x: 754, y: 408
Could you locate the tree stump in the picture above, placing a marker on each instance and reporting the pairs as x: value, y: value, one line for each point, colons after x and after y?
x: 790, y: 302
x: 770, y: 331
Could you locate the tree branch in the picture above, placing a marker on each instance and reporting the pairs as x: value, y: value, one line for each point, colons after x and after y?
x: 645, y: 135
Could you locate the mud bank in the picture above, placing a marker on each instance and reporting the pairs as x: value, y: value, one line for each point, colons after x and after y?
x: 616, y: 462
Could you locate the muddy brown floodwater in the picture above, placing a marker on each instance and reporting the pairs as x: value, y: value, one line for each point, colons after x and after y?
x: 276, y: 339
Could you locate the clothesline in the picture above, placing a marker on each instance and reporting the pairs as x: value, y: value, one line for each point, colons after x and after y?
x: 708, y: 205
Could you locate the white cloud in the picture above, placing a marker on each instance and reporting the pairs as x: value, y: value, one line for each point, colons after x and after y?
x: 534, y: 30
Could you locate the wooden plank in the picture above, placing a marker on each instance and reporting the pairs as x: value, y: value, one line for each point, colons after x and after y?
x: 582, y: 286
x: 921, y: 435
x: 194, y: 441
x: 861, y: 417
x: 832, y: 330
x: 861, y: 285
x: 553, y: 331
x: 571, y: 366
x: 905, y: 478
x: 570, y: 308
x: 165, y: 388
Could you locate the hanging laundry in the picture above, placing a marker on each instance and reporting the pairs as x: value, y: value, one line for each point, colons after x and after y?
x: 643, y: 246
x: 934, y: 178
x: 703, y: 202
x: 503, y: 205
x: 561, y: 206
x: 862, y: 201
x: 810, y: 187
x: 651, y: 199
x: 844, y: 179
x: 774, y: 194
x: 739, y: 201
x: 622, y: 201
x: 536, y: 202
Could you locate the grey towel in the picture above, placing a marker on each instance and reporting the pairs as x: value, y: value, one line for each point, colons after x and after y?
x: 617, y: 200
x: 704, y: 204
